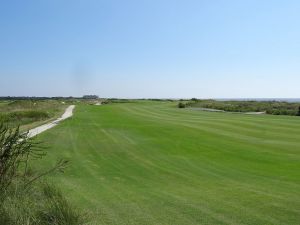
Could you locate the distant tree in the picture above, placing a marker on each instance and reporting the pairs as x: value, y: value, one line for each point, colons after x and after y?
x: 181, y: 105
x: 298, y: 113
x: 194, y: 99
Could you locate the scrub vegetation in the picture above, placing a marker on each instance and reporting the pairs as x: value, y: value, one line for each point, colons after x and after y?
x: 149, y: 162
x: 269, y: 107
x: 22, y: 112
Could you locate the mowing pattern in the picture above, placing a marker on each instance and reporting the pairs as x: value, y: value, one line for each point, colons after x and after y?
x: 152, y: 163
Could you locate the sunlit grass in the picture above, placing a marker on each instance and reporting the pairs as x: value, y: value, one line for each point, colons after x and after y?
x: 152, y: 163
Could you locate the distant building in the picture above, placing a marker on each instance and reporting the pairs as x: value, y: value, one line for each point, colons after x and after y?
x: 90, y: 97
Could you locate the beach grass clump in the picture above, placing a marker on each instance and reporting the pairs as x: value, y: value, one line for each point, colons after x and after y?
x: 26, y: 197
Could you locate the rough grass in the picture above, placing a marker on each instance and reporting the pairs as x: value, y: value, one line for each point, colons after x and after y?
x: 26, y: 112
x: 270, y: 107
x: 42, y: 204
x: 152, y: 163
x: 24, y: 200
x: 24, y: 117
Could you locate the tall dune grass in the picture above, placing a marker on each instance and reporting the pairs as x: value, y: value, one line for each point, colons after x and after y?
x: 23, y: 112
x: 25, y: 199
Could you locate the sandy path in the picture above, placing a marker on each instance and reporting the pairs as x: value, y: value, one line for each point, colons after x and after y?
x: 35, y: 131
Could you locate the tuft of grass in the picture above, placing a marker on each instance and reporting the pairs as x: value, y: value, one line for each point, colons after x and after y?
x: 42, y: 205
x: 57, y: 210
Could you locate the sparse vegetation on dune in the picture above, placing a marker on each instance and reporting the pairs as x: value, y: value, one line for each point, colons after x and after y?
x: 22, y: 112
x: 269, y: 107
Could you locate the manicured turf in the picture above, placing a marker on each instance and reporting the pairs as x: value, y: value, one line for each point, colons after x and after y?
x: 152, y: 163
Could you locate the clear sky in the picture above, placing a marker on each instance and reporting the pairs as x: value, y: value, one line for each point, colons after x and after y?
x: 150, y: 48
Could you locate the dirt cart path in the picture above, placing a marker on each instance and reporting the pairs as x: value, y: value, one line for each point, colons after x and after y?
x: 35, y: 131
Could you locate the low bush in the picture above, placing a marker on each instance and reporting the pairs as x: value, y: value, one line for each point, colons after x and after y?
x: 181, y: 105
x: 298, y: 113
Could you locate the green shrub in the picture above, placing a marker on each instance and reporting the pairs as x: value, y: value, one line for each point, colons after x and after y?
x: 181, y: 105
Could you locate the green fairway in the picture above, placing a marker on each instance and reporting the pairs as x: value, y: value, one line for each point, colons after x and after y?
x: 152, y: 163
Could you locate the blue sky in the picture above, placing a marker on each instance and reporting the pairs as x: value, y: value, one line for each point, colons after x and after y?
x: 151, y: 48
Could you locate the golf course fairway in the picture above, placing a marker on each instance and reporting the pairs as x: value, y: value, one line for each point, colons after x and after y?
x: 150, y: 162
